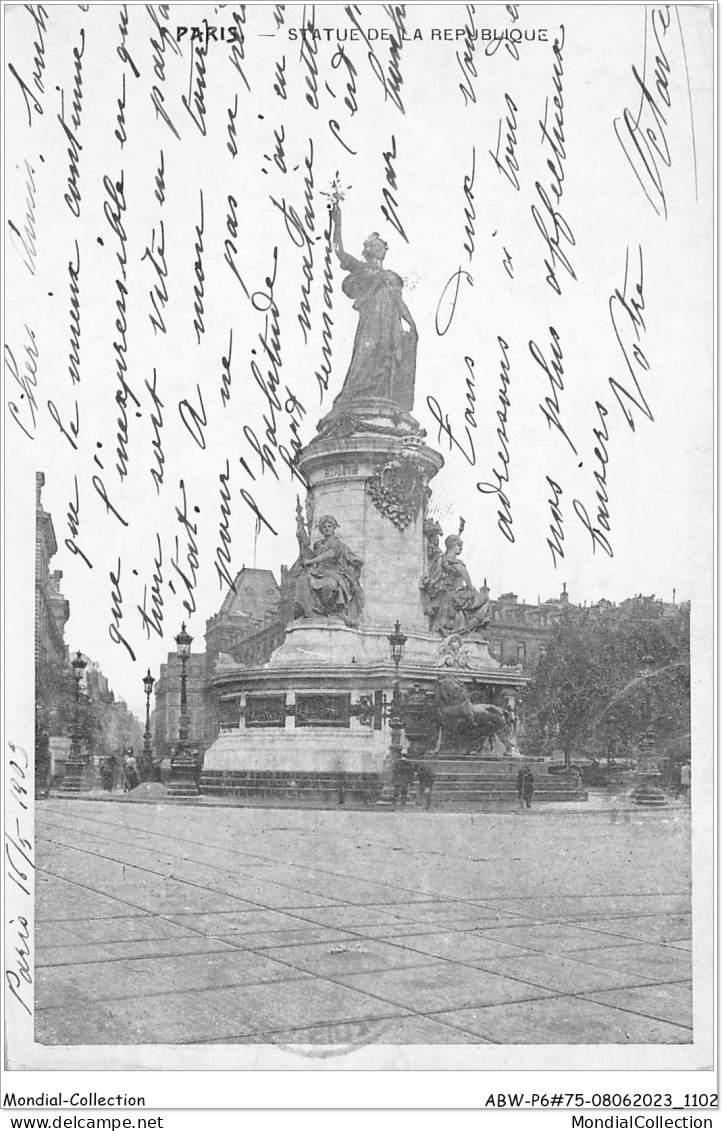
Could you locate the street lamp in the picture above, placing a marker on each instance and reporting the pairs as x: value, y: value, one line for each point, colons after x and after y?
x: 647, y: 740
x: 647, y: 790
x: 397, y: 642
x: 182, y: 768
x: 75, y: 766
x: 148, y: 682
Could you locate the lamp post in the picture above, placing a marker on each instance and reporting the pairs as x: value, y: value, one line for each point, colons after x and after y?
x: 148, y: 682
x: 397, y: 642
x: 182, y: 768
x: 75, y: 766
x: 647, y: 789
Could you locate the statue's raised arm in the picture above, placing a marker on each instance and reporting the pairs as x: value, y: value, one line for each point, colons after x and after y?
x: 347, y: 261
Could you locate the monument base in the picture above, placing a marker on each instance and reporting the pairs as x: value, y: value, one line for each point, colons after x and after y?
x: 317, y: 717
x: 302, y: 763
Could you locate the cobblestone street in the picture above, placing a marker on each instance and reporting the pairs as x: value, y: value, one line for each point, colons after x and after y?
x: 171, y: 924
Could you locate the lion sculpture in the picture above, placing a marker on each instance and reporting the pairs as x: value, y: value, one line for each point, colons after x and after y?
x: 465, y: 726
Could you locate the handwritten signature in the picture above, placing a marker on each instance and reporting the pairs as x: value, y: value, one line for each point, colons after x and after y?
x: 642, y: 135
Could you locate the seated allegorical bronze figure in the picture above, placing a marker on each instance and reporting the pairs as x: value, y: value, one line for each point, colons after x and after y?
x: 329, y: 584
x: 450, y: 600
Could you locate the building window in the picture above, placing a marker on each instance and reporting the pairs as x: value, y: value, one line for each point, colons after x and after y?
x: 521, y: 652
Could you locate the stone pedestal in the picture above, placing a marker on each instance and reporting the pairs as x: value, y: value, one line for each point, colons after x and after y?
x: 316, y: 718
x: 647, y: 789
x: 182, y: 782
x: 374, y: 481
x: 74, y: 779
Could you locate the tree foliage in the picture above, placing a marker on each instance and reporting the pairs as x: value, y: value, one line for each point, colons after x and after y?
x: 55, y: 705
x: 612, y: 673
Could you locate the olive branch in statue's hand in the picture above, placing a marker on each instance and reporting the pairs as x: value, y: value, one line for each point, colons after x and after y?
x: 335, y: 195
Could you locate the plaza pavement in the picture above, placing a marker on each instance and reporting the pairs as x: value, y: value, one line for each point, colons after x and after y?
x: 168, y: 924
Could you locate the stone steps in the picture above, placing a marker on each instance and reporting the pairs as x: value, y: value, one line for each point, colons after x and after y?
x: 487, y: 790
x: 506, y: 771
x: 492, y: 769
x: 286, y: 784
x: 444, y: 796
x: 484, y: 782
x: 491, y: 803
x: 449, y: 791
x: 500, y: 779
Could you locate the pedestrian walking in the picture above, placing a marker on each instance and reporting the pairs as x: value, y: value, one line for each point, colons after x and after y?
x: 403, y: 778
x: 685, y: 778
x: 130, y: 769
x: 425, y: 776
x: 199, y: 757
x: 525, y: 787
x: 107, y: 772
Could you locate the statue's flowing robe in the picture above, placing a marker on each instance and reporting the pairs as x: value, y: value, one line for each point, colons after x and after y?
x: 450, y: 600
x: 383, y: 363
x: 332, y: 587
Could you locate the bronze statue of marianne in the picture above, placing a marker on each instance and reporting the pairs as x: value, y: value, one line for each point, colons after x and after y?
x: 383, y: 363
x: 329, y: 584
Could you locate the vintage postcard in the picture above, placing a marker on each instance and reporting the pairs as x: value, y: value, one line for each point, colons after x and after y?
x: 359, y: 564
